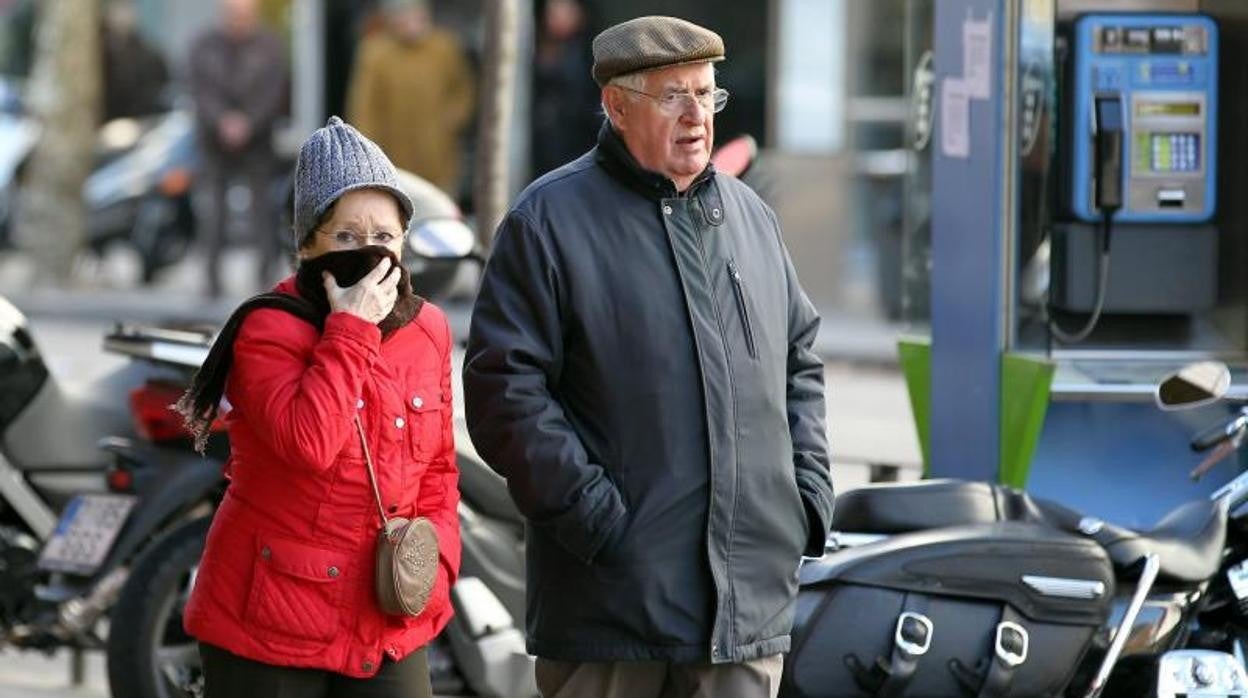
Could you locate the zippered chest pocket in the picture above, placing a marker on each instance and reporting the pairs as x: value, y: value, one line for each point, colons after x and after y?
x: 743, y: 308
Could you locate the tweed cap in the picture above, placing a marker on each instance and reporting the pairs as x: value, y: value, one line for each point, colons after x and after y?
x: 334, y: 160
x: 647, y: 43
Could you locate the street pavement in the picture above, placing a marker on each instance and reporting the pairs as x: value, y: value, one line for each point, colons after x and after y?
x: 869, y: 418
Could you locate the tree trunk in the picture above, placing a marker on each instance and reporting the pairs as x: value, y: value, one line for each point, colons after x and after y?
x: 64, y: 97
x: 497, y: 88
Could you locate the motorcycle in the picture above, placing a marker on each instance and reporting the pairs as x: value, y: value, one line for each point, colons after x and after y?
x: 971, y: 589
x: 61, y: 561
x: 138, y: 193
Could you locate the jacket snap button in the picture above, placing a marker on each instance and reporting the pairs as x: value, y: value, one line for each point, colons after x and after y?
x: 714, y: 213
x: 359, y: 404
x: 368, y: 666
x: 417, y: 402
x: 333, y: 572
x: 265, y: 552
x: 398, y: 422
x: 667, y: 210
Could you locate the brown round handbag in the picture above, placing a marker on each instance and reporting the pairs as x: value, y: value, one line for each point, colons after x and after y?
x: 407, y: 554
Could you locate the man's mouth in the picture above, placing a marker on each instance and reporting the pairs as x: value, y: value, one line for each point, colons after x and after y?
x: 689, y: 140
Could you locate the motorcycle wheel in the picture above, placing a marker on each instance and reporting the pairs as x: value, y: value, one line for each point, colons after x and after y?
x: 149, y: 654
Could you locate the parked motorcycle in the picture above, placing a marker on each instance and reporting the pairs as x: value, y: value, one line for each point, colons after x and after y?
x: 61, y: 562
x: 970, y: 589
x: 139, y: 193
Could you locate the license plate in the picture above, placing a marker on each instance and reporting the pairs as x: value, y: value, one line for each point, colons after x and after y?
x: 85, y: 533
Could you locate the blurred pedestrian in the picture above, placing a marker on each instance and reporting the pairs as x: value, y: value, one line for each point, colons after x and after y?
x: 135, y: 73
x: 340, y: 393
x: 565, y: 99
x: 238, y: 83
x: 412, y: 91
x: 641, y: 369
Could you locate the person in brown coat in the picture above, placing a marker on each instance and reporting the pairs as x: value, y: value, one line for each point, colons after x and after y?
x: 412, y: 91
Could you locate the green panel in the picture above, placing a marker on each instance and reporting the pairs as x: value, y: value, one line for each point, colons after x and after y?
x: 916, y: 364
x: 1025, y: 384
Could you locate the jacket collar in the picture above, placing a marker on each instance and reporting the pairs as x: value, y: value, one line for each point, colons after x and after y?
x: 613, y: 155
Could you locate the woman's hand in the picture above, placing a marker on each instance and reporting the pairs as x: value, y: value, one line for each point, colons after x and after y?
x: 370, y: 299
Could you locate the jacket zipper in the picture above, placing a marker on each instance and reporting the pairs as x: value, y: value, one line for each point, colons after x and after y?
x: 739, y: 292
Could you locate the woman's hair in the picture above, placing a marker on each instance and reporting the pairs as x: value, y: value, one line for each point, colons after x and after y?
x: 320, y: 221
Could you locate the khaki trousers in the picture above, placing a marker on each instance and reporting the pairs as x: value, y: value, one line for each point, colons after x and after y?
x: 759, y: 678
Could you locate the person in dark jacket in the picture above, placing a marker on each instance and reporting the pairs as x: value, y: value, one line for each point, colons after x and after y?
x: 135, y: 74
x: 565, y: 98
x: 640, y: 370
x: 238, y: 84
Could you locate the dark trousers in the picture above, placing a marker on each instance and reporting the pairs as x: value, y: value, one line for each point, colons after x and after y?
x: 228, y: 675
x: 253, y: 170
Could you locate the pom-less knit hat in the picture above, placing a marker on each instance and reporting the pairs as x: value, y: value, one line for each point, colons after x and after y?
x: 334, y: 160
x: 648, y: 43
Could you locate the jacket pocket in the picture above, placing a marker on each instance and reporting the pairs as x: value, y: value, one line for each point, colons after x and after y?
x: 426, y: 413
x: 295, y: 593
x: 743, y: 309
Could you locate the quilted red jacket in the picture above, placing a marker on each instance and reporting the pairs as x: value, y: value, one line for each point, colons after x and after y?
x: 287, y: 575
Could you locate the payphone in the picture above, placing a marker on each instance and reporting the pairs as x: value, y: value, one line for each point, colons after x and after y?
x: 1140, y: 153
x: 1164, y: 71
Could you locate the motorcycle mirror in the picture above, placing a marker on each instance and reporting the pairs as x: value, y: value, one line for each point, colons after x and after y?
x: 444, y: 238
x: 1193, y: 385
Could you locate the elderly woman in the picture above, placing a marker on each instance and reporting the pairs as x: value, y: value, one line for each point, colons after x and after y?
x: 284, y: 603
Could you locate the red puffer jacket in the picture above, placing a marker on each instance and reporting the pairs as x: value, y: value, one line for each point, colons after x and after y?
x: 287, y: 575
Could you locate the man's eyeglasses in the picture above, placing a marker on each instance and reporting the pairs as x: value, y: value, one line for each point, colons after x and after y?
x: 677, y: 103
x: 346, y: 238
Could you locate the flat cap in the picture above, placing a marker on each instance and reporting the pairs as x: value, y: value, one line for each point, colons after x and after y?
x: 647, y: 43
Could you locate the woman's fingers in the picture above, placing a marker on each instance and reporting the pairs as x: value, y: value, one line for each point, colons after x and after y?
x: 378, y: 272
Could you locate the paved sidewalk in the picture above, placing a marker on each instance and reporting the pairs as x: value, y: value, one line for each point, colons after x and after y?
x: 36, y: 675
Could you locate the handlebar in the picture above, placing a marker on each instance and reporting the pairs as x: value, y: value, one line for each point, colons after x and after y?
x: 1223, y: 432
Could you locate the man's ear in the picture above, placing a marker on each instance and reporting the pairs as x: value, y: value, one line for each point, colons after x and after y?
x: 617, y: 105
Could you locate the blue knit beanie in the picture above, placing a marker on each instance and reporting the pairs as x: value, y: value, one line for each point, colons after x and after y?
x: 334, y: 160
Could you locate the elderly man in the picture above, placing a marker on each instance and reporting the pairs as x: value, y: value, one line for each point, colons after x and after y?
x: 640, y: 370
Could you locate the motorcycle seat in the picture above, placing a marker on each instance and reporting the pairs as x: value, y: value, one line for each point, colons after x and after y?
x: 917, y: 506
x: 1188, y: 540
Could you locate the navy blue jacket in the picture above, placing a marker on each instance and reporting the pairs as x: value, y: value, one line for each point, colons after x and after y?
x: 640, y: 370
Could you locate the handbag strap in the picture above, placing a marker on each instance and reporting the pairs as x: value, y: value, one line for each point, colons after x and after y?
x: 372, y: 477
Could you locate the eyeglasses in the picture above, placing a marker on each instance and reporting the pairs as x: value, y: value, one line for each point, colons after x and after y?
x: 345, y: 238
x: 677, y: 103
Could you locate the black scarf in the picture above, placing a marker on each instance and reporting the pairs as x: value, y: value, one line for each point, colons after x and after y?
x: 201, y: 401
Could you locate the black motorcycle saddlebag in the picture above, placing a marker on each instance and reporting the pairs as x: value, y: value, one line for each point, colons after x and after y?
x: 1005, y: 609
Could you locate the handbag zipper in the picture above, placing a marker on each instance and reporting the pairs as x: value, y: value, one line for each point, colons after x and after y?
x: 744, y: 310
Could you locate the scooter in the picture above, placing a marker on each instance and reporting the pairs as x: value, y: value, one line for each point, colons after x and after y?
x: 61, y: 566
x: 970, y: 589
